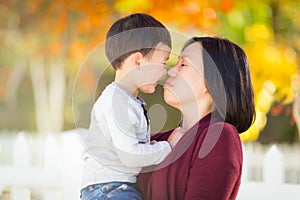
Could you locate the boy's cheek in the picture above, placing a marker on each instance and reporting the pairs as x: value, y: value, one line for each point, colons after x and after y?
x: 153, y: 73
x: 153, y: 67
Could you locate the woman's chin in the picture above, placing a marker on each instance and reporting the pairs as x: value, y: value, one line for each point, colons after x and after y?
x: 170, y: 98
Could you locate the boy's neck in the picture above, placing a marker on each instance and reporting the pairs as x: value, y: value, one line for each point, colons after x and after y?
x: 126, y: 83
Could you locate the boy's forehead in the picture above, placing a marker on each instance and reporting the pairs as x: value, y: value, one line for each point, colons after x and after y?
x: 163, y: 47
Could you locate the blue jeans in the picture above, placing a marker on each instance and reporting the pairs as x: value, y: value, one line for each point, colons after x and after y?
x: 111, y: 191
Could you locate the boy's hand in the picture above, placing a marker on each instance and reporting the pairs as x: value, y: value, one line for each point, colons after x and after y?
x: 175, y: 136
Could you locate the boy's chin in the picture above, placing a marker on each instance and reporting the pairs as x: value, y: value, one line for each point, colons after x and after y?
x: 148, y: 88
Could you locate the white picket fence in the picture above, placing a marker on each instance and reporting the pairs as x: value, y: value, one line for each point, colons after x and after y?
x: 270, y: 173
x: 46, y: 168
x: 50, y: 168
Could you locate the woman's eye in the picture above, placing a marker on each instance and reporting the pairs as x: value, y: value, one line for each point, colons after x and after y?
x: 183, y: 65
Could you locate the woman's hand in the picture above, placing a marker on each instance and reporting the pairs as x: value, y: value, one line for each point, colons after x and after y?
x: 175, y: 136
x: 153, y: 141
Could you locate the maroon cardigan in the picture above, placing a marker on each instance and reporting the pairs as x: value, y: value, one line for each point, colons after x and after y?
x: 205, y: 164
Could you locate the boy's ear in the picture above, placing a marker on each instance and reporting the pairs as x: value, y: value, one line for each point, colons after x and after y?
x: 137, y: 59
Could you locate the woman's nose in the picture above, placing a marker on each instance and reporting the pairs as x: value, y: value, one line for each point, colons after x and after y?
x: 172, y: 72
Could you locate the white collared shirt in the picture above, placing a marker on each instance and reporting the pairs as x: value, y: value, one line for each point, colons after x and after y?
x: 118, y: 140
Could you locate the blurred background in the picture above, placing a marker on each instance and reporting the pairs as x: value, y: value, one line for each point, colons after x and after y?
x: 44, y: 44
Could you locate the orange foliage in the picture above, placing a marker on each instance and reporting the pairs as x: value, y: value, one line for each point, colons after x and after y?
x: 184, y: 15
x: 62, y: 21
x: 87, y: 79
x: 76, y: 49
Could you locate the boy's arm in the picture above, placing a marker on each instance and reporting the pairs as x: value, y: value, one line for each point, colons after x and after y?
x: 130, y: 151
x: 135, y: 154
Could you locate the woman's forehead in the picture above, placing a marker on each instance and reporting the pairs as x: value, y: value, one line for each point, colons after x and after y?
x: 194, y: 47
x: 193, y: 54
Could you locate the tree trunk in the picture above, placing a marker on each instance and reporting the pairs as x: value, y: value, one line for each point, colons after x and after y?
x: 49, y: 98
x: 57, y: 88
x: 40, y: 94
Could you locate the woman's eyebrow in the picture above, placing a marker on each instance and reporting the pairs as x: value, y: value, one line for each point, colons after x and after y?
x: 181, y: 57
x: 185, y: 57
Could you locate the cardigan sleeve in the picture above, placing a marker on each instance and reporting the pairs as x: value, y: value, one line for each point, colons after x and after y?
x: 163, y: 136
x: 216, y: 171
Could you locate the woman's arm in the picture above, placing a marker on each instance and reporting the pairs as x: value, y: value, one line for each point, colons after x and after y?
x: 217, y: 174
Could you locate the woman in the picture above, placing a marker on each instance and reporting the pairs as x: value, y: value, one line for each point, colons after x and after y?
x: 211, y: 86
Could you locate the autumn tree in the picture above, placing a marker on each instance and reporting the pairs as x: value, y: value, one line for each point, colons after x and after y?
x: 47, y: 40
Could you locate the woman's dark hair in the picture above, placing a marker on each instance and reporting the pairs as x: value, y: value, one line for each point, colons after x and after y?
x: 134, y: 33
x: 228, y: 80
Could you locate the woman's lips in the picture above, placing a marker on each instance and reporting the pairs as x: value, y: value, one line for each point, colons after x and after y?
x: 168, y: 84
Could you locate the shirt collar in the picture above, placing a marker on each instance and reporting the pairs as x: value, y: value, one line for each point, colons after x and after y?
x: 137, y: 99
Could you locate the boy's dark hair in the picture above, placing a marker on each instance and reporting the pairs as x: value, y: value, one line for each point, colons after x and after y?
x: 134, y: 33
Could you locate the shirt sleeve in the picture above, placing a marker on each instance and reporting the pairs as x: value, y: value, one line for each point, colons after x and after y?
x: 124, y: 122
x: 215, y: 172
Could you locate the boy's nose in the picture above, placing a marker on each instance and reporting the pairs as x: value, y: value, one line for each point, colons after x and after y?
x: 164, y: 76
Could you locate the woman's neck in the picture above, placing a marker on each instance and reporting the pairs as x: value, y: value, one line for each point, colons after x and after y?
x: 192, y: 113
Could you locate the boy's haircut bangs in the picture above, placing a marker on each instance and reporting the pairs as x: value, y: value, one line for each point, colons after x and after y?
x: 135, y: 33
x: 143, y: 40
